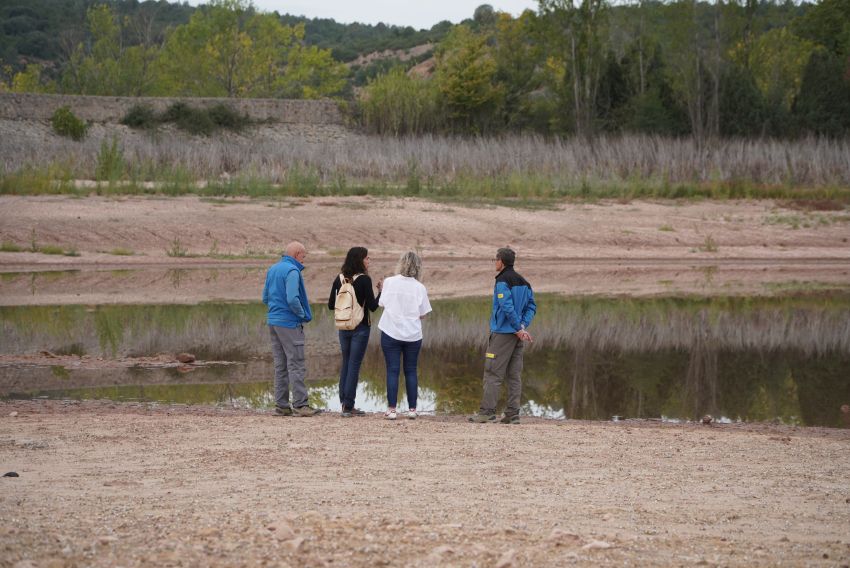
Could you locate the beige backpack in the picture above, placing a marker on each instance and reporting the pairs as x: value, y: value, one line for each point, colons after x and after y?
x: 347, y: 312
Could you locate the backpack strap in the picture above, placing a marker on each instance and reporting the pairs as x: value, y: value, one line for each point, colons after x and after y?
x: 341, y: 279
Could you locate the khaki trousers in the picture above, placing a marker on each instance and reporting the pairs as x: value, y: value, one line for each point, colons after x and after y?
x: 503, y: 360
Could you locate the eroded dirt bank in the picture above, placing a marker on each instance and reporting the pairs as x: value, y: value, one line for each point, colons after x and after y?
x: 105, y: 485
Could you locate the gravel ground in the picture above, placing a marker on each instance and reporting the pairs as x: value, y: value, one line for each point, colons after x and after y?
x: 105, y: 484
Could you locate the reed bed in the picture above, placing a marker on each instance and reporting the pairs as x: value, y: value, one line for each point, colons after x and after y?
x: 237, y: 331
x: 271, y: 162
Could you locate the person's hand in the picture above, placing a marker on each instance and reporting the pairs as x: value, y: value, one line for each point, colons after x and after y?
x: 523, y: 335
x: 380, y: 284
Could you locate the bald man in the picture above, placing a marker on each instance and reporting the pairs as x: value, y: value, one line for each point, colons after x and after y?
x: 289, y: 310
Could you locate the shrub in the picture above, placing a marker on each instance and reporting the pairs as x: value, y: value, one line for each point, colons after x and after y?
x: 225, y: 116
x: 192, y: 120
x: 65, y: 123
x: 140, y: 116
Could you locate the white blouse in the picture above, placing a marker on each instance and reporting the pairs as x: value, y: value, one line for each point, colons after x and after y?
x: 404, y: 300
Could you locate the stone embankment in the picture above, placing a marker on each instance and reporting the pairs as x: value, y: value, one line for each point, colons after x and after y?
x: 26, y: 106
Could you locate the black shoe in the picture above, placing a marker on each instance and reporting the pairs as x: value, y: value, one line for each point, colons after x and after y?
x: 346, y: 414
x: 283, y: 411
x: 357, y: 412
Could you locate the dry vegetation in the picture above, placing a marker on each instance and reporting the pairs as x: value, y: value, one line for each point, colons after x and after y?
x: 270, y: 161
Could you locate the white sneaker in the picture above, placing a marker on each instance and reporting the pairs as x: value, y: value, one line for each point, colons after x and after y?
x: 412, y: 414
x: 390, y: 414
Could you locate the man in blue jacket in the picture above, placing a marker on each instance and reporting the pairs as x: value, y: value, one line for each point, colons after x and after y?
x: 289, y: 310
x: 513, y: 310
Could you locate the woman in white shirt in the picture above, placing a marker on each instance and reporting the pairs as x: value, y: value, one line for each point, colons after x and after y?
x: 405, y: 302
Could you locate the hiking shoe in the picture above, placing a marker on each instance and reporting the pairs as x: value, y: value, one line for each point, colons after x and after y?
x: 412, y: 414
x: 510, y: 419
x: 390, y: 414
x: 283, y: 411
x: 482, y: 418
x: 305, y: 411
x: 346, y: 414
x: 357, y: 412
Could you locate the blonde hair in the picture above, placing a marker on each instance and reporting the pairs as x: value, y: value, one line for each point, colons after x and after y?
x: 409, y: 264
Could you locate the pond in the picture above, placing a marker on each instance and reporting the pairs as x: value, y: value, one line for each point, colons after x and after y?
x: 737, y: 358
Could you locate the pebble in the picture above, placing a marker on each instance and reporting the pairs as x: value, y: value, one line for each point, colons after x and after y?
x: 507, y: 559
x: 560, y: 536
x: 13, y: 413
x: 597, y: 545
x: 295, y: 544
x: 281, y: 530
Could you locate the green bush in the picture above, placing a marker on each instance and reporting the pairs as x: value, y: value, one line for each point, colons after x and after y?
x: 192, y: 120
x: 140, y: 116
x: 225, y: 116
x: 65, y: 123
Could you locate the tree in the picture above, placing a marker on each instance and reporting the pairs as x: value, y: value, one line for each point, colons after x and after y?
x: 685, y: 48
x: 395, y: 103
x: 466, y: 80
x: 742, y: 108
x: 776, y: 60
x: 105, y: 66
x: 228, y: 49
x: 823, y: 105
x: 31, y: 80
x: 518, y: 58
x: 828, y: 24
x: 96, y: 70
x: 576, y: 55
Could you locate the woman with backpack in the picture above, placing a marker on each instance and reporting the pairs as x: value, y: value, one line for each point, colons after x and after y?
x: 405, y: 302
x: 351, y: 300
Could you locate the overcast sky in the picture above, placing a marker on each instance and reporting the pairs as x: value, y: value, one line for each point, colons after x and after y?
x: 419, y: 14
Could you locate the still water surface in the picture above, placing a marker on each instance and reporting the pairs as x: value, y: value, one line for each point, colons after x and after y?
x: 747, y: 359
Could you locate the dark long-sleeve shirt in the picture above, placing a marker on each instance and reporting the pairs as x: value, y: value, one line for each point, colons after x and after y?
x: 362, y: 291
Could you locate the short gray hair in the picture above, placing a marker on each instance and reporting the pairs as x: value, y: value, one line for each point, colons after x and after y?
x: 506, y: 255
x: 409, y: 264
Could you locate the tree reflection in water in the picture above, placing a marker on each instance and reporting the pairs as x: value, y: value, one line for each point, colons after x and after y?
x: 741, y: 358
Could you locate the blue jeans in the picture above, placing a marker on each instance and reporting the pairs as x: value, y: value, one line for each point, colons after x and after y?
x: 393, y: 350
x: 353, y: 344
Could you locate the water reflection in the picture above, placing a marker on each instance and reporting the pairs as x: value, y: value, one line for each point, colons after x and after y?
x: 742, y: 358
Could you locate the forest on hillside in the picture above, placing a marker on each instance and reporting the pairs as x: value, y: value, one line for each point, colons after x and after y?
x: 728, y: 68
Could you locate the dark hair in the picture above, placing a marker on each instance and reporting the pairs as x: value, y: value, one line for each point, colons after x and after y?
x: 354, y: 262
x: 506, y: 255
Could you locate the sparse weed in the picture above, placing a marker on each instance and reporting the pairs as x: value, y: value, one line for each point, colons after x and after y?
x: 176, y: 249
x: 709, y: 244
x: 119, y: 251
x: 51, y: 249
x: 9, y: 246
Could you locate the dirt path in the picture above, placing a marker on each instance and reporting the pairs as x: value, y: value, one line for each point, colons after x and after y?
x: 106, y: 485
x: 634, y: 248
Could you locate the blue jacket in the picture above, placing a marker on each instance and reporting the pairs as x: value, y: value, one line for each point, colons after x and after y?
x: 513, y: 303
x: 285, y: 295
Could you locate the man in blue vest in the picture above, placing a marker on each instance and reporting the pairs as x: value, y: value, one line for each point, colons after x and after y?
x: 289, y: 310
x: 513, y: 310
